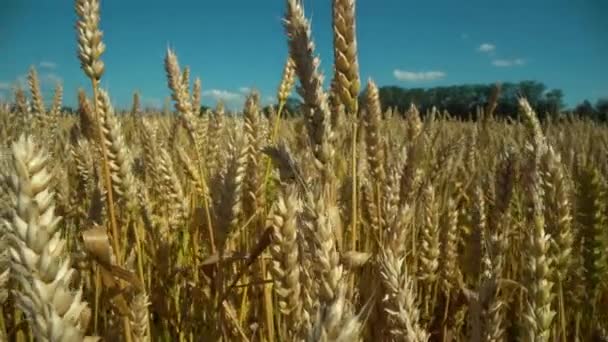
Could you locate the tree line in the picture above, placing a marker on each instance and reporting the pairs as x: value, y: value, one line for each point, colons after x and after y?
x: 461, y: 101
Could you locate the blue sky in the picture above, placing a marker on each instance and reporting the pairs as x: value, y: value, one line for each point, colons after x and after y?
x: 239, y: 44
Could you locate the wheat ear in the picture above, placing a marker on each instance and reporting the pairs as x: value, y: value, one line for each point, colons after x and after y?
x: 345, y: 54
x: 37, y: 99
x: 539, y: 316
x: 400, y: 302
x: 286, y: 269
x: 39, y: 259
x: 302, y: 49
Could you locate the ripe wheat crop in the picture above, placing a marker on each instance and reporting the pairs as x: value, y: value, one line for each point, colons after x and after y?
x: 372, y: 226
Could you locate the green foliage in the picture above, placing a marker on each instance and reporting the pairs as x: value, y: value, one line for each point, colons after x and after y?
x: 204, y: 109
x: 585, y: 109
x: 293, y: 105
x: 461, y: 100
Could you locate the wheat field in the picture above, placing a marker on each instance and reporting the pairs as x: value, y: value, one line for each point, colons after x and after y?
x: 345, y: 223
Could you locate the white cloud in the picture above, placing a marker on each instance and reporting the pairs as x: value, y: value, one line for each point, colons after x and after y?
x: 245, y: 90
x: 486, y: 47
x: 47, y: 65
x: 4, y: 86
x: 505, y: 63
x: 51, y: 78
x: 411, y: 76
x: 223, y: 95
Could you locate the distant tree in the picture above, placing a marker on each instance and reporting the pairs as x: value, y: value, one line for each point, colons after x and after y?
x: 551, y: 103
x: 292, y: 106
x: 601, y: 105
x: 461, y: 101
x: 533, y: 91
x: 555, y: 100
x: 67, y: 110
x: 269, y: 108
x: 389, y: 96
x: 585, y: 109
x: 507, y: 102
x: 203, y: 109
